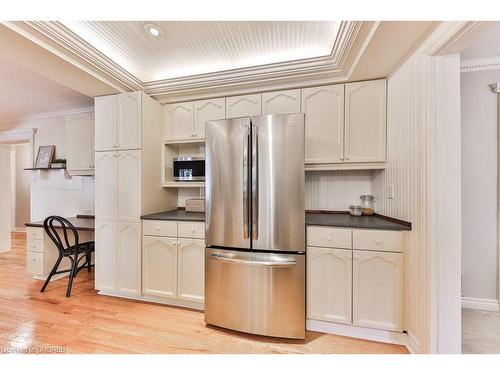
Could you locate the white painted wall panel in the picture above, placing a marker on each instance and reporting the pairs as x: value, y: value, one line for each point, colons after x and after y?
x: 336, y: 190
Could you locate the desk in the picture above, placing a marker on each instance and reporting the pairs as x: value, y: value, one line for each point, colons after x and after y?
x: 41, y: 252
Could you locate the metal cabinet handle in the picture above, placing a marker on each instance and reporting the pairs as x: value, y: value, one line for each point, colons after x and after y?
x: 253, y: 262
x: 378, y: 242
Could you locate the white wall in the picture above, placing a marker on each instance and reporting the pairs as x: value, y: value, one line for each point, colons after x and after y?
x: 52, y: 193
x: 479, y: 184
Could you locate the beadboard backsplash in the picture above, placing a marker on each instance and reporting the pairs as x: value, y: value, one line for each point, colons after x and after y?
x: 336, y: 190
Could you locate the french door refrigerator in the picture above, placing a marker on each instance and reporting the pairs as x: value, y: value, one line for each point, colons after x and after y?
x: 255, y: 225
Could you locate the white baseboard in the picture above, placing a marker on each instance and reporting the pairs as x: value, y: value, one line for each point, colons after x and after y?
x: 161, y: 300
x: 398, y: 338
x: 480, y: 304
x: 21, y: 230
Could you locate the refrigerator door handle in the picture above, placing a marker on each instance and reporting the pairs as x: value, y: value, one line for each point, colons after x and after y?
x: 222, y: 258
x: 255, y: 183
x: 246, y: 140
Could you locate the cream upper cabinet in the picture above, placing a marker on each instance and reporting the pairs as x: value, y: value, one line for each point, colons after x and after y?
x: 128, y: 248
x: 323, y: 108
x: 206, y: 110
x: 329, y: 288
x: 365, y: 122
x: 378, y: 290
x: 281, y: 102
x: 191, y: 270
x: 242, y: 106
x: 159, y: 266
x: 118, y: 122
x: 105, y: 115
x: 179, y: 119
x: 128, y: 185
x: 105, y: 255
x: 105, y: 185
x: 79, y: 141
x: 129, y: 121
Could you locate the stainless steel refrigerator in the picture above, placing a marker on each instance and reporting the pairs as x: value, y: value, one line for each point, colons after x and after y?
x: 255, y: 225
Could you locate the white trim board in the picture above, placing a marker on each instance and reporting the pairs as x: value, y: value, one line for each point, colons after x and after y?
x: 476, y: 65
x: 398, y: 338
x: 480, y: 304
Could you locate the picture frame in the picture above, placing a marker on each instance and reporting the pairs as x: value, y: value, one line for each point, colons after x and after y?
x: 45, y: 156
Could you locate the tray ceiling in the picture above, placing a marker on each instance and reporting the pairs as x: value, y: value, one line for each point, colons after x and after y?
x: 191, y: 48
x: 24, y: 93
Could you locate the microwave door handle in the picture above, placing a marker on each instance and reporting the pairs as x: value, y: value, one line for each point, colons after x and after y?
x: 255, y: 182
x: 246, y: 139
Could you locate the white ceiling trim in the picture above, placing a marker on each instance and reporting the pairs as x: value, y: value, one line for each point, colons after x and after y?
x: 477, y: 65
x: 63, y: 42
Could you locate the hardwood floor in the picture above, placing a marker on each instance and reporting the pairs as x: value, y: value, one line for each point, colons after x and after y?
x: 90, y: 323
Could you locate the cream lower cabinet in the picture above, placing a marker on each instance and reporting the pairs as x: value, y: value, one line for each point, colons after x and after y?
x: 191, y: 269
x: 378, y: 290
x: 173, y: 261
x: 118, y: 257
x: 329, y: 277
x: 355, y: 276
x: 128, y: 257
x: 159, y: 266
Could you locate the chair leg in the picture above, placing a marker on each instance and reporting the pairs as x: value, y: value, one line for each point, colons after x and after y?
x: 52, y: 272
x: 89, y: 260
x: 72, y: 274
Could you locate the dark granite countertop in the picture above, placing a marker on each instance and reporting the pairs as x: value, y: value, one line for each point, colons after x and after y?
x: 80, y: 222
x: 176, y: 215
x: 312, y: 218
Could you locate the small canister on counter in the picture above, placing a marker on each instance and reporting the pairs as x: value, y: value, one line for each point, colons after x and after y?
x: 368, y: 204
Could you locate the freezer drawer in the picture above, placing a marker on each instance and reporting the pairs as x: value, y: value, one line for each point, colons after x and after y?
x: 259, y: 293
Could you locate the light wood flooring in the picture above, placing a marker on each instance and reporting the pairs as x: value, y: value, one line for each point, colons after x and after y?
x: 90, y: 323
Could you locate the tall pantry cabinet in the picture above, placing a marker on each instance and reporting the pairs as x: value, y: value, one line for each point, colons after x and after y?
x: 127, y: 186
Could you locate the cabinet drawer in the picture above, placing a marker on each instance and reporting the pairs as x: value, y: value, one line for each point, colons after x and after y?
x: 34, y: 269
x: 159, y: 228
x: 382, y: 240
x: 35, y: 233
x: 36, y: 246
x: 34, y: 258
x: 329, y: 237
x: 191, y: 229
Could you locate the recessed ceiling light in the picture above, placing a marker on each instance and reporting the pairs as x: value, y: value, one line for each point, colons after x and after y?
x: 153, y: 31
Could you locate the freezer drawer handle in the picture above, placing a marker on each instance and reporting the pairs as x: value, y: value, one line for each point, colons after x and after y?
x: 252, y: 262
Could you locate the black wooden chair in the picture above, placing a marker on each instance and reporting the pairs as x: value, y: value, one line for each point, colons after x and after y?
x: 75, y: 253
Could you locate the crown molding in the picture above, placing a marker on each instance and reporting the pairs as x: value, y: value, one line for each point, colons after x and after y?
x: 44, y: 115
x: 477, y: 65
x: 350, y: 43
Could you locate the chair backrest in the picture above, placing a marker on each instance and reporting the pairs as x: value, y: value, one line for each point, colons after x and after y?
x: 64, y: 225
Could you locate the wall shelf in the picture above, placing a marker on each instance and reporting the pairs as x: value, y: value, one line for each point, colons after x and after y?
x: 184, y: 141
x: 43, y: 169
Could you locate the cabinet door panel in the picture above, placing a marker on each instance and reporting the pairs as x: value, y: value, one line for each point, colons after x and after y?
x: 207, y: 110
x: 365, y: 121
x: 323, y: 108
x: 281, y: 102
x: 129, y: 121
x: 105, y: 122
x: 159, y: 266
x: 179, y: 119
x: 377, y: 290
x: 329, y: 288
x: 128, y: 251
x: 129, y: 185
x: 105, y: 186
x: 105, y: 255
x: 243, y: 106
x: 191, y: 270
x: 79, y: 142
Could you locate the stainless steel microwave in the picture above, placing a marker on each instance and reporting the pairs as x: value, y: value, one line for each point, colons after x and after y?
x: 189, y: 168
